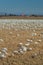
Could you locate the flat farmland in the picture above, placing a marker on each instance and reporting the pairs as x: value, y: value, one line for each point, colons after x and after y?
x: 21, y: 42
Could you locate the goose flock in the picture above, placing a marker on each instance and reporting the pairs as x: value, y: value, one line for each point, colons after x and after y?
x: 21, y: 38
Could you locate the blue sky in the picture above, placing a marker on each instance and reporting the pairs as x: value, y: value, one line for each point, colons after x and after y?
x: 22, y: 6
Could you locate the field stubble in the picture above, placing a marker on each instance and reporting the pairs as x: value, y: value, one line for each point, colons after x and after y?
x: 21, y: 43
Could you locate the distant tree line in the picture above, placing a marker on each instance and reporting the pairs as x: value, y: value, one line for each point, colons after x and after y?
x: 8, y: 14
x: 33, y: 15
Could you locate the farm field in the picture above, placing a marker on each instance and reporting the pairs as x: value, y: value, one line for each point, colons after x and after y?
x: 21, y: 42
x: 21, y: 17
